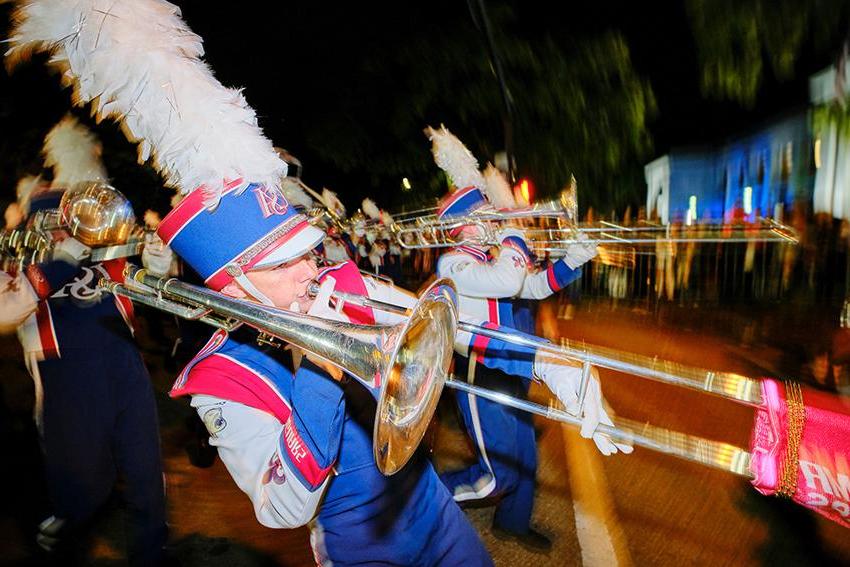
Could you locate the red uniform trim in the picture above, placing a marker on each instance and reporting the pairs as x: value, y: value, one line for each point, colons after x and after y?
x: 46, y: 332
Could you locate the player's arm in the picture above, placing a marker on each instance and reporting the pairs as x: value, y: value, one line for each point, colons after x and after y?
x: 284, y: 468
x: 501, y: 278
x: 553, y: 279
x: 379, y: 290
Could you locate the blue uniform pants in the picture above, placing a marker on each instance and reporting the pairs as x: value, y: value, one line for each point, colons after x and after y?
x: 99, y: 420
x: 505, y: 442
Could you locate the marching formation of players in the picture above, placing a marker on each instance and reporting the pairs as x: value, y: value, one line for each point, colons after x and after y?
x: 294, y: 432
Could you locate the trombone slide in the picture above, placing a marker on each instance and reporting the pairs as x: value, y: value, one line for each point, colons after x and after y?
x: 715, y: 454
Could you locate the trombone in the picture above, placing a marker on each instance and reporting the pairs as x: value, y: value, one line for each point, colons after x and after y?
x: 406, y: 366
x: 551, y: 226
x: 431, y: 232
x: 96, y: 214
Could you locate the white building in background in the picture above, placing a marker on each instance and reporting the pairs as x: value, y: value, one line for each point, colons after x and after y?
x: 831, y: 133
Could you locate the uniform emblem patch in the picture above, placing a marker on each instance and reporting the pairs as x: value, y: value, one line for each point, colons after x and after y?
x: 214, y: 421
x: 272, y: 201
x: 274, y: 472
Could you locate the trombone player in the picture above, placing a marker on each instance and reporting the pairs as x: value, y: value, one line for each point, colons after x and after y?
x: 487, y: 280
x: 94, y: 403
x: 298, y: 441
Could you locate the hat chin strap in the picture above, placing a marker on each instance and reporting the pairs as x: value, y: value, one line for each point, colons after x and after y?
x: 246, y: 284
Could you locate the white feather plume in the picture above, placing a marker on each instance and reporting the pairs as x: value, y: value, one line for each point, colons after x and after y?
x: 73, y: 151
x: 24, y: 189
x: 497, y: 188
x: 139, y: 62
x: 332, y: 202
x: 371, y: 209
x: 454, y: 158
x: 294, y: 193
x: 386, y: 218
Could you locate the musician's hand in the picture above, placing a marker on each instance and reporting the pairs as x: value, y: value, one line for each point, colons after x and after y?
x: 13, y: 216
x: 17, y: 301
x: 564, y: 380
x: 156, y: 256
x: 580, y: 252
x: 70, y: 250
x: 322, y: 307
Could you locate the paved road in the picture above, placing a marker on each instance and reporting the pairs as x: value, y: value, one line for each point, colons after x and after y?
x: 642, y: 509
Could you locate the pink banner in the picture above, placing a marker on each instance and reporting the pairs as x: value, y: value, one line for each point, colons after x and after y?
x: 800, y: 447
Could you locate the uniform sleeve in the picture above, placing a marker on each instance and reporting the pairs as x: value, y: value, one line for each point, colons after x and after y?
x: 382, y: 291
x: 502, y: 278
x: 551, y: 280
x: 284, y: 468
x: 510, y: 358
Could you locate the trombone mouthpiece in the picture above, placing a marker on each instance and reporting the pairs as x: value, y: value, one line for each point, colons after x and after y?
x: 313, y: 289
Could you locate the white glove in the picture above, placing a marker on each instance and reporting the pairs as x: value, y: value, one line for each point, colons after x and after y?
x: 321, y: 308
x: 70, y: 250
x: 580, y: 252
x: 17, y: 301
x: 564, y: 381
x: 156, y: 256
x: 321, y: 304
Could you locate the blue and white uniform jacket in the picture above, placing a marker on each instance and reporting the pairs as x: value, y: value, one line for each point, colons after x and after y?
x: 300, y: 446
x: 486, y: 285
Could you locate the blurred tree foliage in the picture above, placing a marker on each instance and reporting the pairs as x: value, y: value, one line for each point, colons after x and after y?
x: 579, y: 107
x: 738, y: 41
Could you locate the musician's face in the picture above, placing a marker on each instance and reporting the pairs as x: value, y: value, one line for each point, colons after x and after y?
x: 285, y: 285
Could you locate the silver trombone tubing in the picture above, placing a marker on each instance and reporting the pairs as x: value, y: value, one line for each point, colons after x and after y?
x: 708, y: 452
x: 296, y: 328
x: 404, y: 366
x: 735, y: 387
x: 693, y: 448
x: 435, y: 233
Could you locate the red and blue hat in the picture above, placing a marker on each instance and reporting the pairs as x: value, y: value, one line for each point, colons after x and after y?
x: 252, y: 227
x: 461, y: 203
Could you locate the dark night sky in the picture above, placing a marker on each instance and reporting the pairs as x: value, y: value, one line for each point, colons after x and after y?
x: 283, y: 54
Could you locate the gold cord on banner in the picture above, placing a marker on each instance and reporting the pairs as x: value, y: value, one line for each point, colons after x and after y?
x: 796, y: 420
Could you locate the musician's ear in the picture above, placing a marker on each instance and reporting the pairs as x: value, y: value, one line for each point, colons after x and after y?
x: 233, y: 289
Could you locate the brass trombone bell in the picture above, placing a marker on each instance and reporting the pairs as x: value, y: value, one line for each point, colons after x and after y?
x: 97, y: 214
x: 94, y: 213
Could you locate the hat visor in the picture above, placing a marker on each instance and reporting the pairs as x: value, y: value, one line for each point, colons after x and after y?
x: 292, y: 246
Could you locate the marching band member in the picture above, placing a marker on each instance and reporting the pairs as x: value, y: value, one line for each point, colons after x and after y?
x: 297, y: 442
x: 486, y: 282
x: 335, y: 249
x: 95, y: 408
